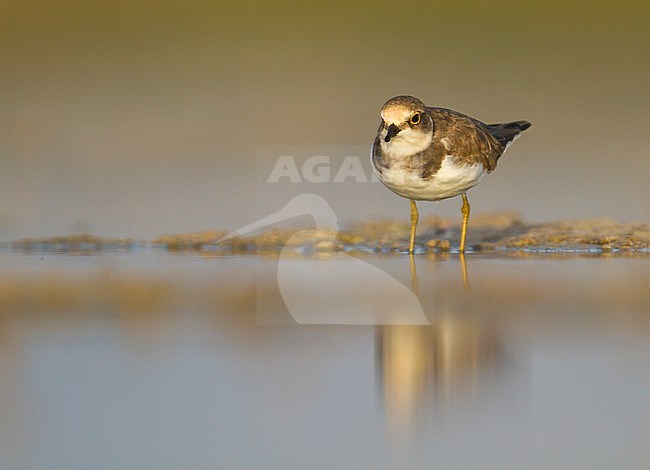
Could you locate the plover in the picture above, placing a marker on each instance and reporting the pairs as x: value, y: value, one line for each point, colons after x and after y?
x: 424, y: 153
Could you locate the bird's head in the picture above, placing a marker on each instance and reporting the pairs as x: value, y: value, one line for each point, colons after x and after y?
x: 405, y: 121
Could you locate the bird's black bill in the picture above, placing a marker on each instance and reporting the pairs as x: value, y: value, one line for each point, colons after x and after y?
x: 393, y: 130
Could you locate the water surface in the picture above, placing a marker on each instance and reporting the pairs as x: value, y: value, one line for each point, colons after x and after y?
x: 154, y: 360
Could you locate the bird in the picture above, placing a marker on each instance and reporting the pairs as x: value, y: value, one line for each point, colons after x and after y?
x: 425, y: 153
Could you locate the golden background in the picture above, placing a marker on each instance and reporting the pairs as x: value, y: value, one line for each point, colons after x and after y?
x: 137, y: 118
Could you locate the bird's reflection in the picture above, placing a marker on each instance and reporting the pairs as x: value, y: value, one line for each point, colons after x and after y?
x: 406, y: 367
x: 431, y: 367
x: 463, y: 267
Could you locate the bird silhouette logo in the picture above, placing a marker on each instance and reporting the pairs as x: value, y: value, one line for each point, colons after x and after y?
x: 339, y: 289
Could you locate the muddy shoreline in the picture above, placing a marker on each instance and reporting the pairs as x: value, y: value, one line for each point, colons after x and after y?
x: 503, y: 232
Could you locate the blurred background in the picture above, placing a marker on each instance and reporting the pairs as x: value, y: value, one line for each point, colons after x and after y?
x: 137, y: 118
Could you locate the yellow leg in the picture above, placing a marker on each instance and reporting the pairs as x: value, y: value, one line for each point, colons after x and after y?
x: 415, y: 216
x: 463, y: 232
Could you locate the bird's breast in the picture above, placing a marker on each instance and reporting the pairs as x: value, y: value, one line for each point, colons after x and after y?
x: 451, y: 179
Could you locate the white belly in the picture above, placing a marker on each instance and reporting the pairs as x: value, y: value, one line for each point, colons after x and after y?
x: 450, y: 180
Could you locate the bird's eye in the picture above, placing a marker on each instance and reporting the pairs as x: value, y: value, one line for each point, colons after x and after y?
x: 415, y: 119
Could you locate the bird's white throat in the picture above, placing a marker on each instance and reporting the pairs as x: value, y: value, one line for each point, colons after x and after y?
x: 408, y: 142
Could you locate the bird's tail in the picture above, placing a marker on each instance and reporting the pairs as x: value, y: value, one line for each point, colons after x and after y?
x: 508, y: 132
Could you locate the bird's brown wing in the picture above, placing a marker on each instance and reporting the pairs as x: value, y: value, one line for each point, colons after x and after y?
x: 465, y: 138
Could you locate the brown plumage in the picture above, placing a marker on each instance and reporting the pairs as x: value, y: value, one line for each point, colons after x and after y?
x: 430, y: 154
x: 469, y: 140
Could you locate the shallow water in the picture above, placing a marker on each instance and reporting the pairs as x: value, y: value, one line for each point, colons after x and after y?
x: 157, y: 360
